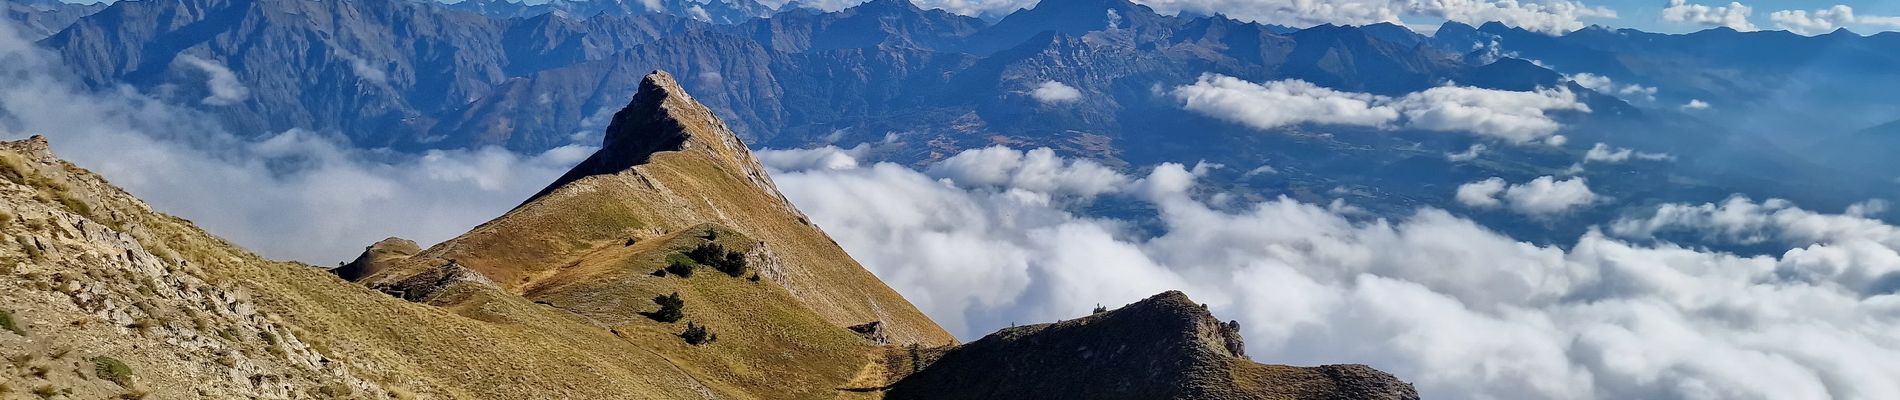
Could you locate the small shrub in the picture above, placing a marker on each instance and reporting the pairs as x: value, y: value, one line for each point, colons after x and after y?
x: 73, y: 203
x: 754, y: 278
x: 696, y: 334
x: 672, y: 308
x: 112, y: 369
x: 7, y: 322
x: 681, y: 265
x: 1099, y: 309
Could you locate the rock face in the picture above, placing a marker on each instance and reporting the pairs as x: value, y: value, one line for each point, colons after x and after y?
x: 1165, y: 347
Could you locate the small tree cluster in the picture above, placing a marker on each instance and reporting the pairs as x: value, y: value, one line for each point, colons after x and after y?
x: 697, y: 334
x: 672, y: 308
x: 681, y: 265
x: 1099, y: 309
x: 730, y: 262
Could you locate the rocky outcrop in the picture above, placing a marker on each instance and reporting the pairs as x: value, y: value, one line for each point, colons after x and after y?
x: 377, y: 257
x: 1164, y: 347
x: 662, y: 117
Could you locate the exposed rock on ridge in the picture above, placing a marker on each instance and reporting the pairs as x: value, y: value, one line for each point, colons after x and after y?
x: 663, y: 117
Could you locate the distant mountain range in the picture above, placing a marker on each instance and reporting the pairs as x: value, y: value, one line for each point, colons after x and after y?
x: 925, y: 84
x: 714, y: 11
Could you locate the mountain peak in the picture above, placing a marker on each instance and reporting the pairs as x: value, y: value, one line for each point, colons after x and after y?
x: 662, y: 117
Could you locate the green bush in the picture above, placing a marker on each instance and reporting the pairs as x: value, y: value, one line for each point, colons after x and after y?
x: 681, y: 265
x: 696, y: 334
x: 112, y: 369
x: 7, y: 322
x: 672, y: 308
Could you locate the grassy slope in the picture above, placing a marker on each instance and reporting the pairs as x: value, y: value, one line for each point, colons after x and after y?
x: 713, y: 180
x: 224, y: 323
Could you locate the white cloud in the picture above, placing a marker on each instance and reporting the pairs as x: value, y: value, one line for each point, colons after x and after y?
x: 1550, y: 16
x: 699, y: 13
x: 978, y: 8
x: 363, y: 69
x: 1744, y: 221
x: 224, y: 86
x: 1282, y: 103
x: 1734, y: 15
x: 1469, y: 154
x: 1518, y: 117
x: 1052, y: 92
x: 1441, y: 301
x: 1829, y: 19
x: 1603, y: 153
x: 1039, y: 171
x: 828, y: 157
x: 1542, y: 197
x: 1605, y: 85
x: 1481, y: 194
x: 1695, y: 104
x: 293, y: 194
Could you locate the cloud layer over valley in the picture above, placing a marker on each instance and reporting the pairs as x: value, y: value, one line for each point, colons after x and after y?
x: 1517, y: 117
x: 988, y: 238
x: 294, y: 194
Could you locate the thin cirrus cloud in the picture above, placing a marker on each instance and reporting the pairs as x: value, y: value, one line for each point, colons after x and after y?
x: 293, y: 194
x: 1460, y: 310
x: 1516, y: 117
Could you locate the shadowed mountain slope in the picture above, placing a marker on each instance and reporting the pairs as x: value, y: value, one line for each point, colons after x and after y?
x: 1165, y: 347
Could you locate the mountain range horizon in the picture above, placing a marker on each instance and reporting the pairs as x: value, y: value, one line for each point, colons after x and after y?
x: 841, y: 199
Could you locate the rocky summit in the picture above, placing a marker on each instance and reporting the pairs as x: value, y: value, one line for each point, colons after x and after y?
x: 665, y: 266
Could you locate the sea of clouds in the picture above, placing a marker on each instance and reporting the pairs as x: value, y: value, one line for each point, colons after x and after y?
x: 294, y: 194
x: 989, y: 238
